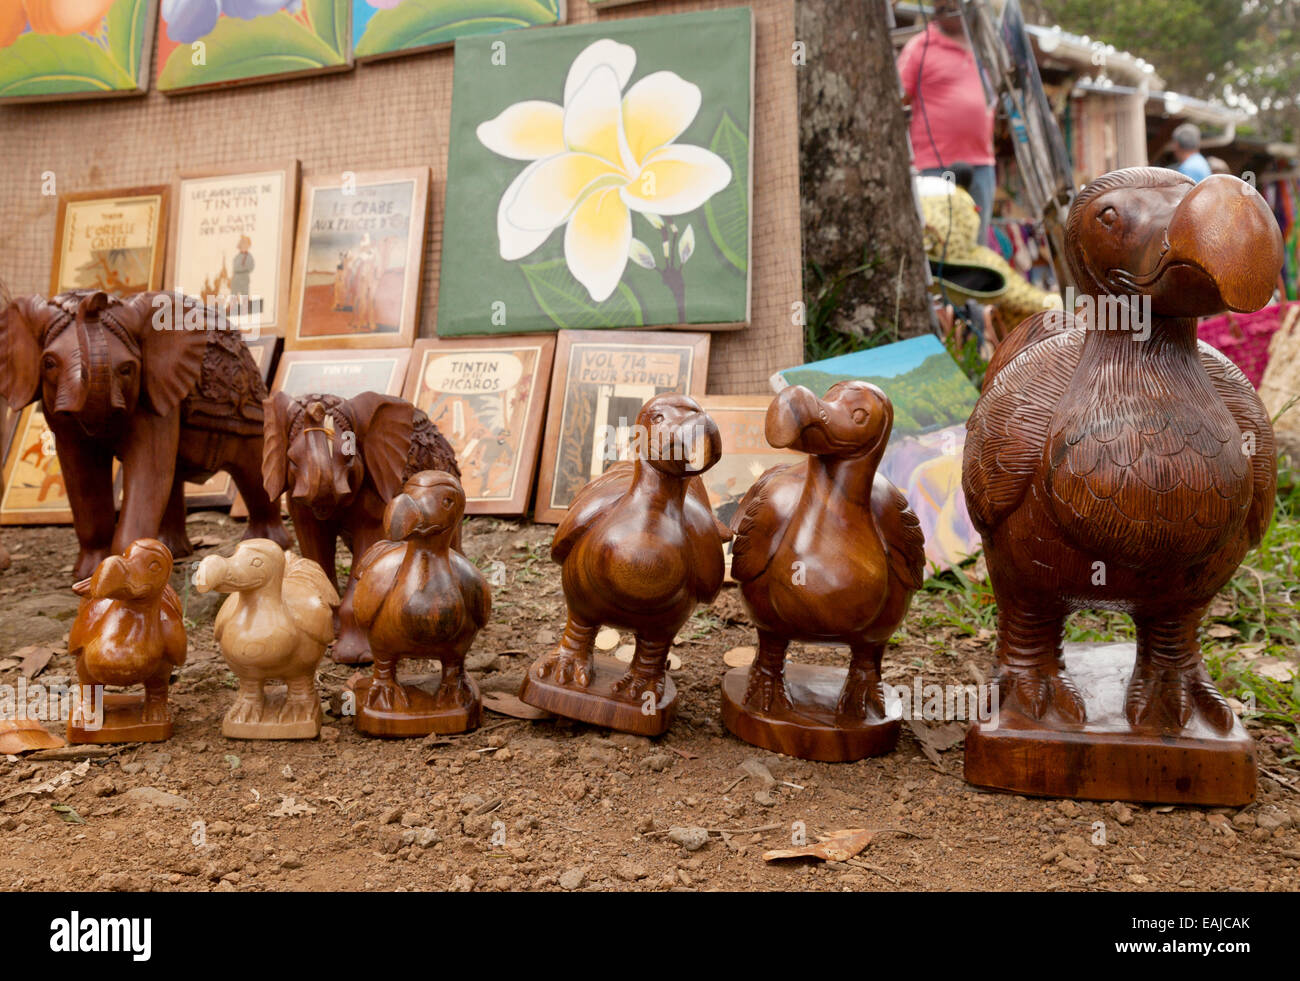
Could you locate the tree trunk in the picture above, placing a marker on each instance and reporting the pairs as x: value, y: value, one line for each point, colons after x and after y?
x: 856, y: 194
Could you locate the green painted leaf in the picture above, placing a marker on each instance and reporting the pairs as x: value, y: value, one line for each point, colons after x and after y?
x: 570, y: 306
x: 51, y: 64
x: 422, y: 23
x: 330, y: 19
x: 727, y: 212
x: 127, y: 20
x: 278, y: 44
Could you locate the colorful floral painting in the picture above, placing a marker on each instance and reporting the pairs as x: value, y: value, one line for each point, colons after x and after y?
x: 599, y: 177
x: 203, y: 43
x: 388, y: 27
x: 67, y: 49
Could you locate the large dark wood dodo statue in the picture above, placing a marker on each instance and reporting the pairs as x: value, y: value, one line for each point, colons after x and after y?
x: 153, y: 380
x: 1113, y: 462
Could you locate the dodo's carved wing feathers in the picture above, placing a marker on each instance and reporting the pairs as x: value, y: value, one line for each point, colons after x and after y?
x: 375, y: 574
x: 760, y: 519
x: 900, y: 530
x: 594, y: 498
x: 175, y: 643
x: 1252, y: 419
x: 310, y: 598
x: 1007, y: 431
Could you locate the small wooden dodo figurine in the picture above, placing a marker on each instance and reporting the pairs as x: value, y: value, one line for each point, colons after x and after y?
x: 129, y: 630
x: 417, y: 597
x: 827, y: 551
x: 1114, y: 462
x: 638, y: 549
x: 275, y: 625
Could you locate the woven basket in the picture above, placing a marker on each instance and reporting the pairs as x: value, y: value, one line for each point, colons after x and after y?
x: 1244, y: 337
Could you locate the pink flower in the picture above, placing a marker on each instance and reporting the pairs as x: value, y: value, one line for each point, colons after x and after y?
x: 65, y: 16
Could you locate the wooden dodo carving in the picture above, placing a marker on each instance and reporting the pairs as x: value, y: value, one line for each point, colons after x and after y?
x: 1113, y: 462
x: 417, y: 597
x: 275, y: 625
x: 638, y: 549
x: 826, y: 550
x: 129, y: 631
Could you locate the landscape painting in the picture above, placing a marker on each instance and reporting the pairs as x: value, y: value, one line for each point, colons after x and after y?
x: 88, y: 49
x: 600, y: 177
x: 381, y: 28
x: 932, y: 400
x: 356, y: 267
x: 205, y: 43
x: 110, y: 241
x: 487, y: 397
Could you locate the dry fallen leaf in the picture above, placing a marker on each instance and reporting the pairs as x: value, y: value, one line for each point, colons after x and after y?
x: 289, y: 807
x: 1221, y: 630
x: 506, y: 704
x: 838, y: 846
x: 739, y: 657
x: 24, y: 735
x: 934, y: 739
x: 34, y: 659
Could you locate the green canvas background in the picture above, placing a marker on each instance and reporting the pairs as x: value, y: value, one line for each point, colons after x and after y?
x: 712, y: 49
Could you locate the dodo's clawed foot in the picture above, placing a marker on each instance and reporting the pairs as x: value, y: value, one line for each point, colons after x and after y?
x: 385, y: 695
x: 861, y: 697
x: 634, y: 686
x: 154, y: 711
x: 766, y: 692
x: 299, y: 709
x: 455, y: 692
x: 565, y: 668
x: 245, y: 709
x: 1169, y: 696
x: 1032, y: 690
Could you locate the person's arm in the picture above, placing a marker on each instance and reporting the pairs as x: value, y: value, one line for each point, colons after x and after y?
x: 907, y: 65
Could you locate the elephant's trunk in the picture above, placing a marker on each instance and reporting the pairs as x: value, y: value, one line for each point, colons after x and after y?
x: 98, y: 371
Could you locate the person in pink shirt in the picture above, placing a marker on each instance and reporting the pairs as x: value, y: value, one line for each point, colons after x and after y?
x: 952, y: 122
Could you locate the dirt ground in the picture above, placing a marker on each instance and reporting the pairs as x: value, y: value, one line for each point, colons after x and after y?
x: 559, y: 805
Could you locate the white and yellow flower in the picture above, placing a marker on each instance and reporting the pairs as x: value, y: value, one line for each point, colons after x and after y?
x: 600, y: 156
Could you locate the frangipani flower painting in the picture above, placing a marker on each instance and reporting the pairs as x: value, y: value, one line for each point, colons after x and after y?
x: 599, y: 177
x: 205, y: 43
x: 387, y: 27
x: 69, y: 49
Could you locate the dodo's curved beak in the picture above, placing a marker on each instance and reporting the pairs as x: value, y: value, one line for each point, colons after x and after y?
x: 112, y: 579
x: 210, y: 574
x: 1224, y: 251
x: 703, y: 443
x: 402, y: 517
x: 791, y: 412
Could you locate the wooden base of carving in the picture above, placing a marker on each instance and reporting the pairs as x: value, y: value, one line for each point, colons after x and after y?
x: 598, y: 704
x: 121, y: 724
x: 421, y: 717
x: 1105, y: 759
x: 818, y: 732
x: 270, y: 726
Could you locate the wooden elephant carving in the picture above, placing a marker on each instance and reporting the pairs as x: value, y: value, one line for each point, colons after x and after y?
x: 155, y: 380
x: 342, y: 461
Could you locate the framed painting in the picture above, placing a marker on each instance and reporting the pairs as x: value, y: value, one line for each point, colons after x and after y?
x: 357, y: 263
x: 343, y: 373
x: 91, y: 49
x: 383, y: 28
x: 932, y: 400
x: 598, y: 386
x: 219, y: 489
x: 203, y: 44
x: 110, y: 240
x: 34, y: 492
x: 487, y: 397
x: 232, y: 241
x: 600, y: 177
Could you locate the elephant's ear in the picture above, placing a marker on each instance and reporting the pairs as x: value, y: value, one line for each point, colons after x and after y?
x: 173, y: 331
x: 22, y: 329
x: 385, y: 425
x: 275, y: 443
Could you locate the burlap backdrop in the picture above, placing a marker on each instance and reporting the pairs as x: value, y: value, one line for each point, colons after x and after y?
x: 387, y: 114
